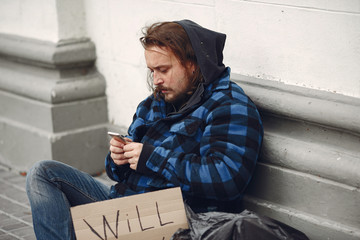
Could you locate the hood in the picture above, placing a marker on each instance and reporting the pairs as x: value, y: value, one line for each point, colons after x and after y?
x: 208, y: 46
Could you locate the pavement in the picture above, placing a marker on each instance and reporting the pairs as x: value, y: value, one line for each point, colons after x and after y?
x: 15, y: 212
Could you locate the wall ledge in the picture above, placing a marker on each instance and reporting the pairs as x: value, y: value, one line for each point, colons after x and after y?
x: 55, y: 100
x: 310, y: 105
x: 50, y: 85
x: 304, y: 222
x: 49, y: 72
x: 76, y: 52
x: 308, y: 172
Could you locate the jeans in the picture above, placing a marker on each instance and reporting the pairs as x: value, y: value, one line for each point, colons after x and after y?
x: 52, y: 188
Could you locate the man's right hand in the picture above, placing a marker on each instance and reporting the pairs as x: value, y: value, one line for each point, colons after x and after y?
x: 117, y: 151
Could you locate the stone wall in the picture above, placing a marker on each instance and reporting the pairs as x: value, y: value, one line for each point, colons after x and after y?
x: 312, y: 44
x: 52, y: 98
x: 308, y: 174
x: 298, y: 61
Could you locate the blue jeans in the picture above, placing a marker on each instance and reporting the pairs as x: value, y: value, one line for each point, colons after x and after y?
x: 52, y: 188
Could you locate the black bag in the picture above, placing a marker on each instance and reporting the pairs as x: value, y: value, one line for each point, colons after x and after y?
x: 242, y: 226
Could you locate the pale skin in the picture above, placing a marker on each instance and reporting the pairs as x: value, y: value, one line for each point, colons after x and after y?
x: 125, y: 153
x: 170, y: 76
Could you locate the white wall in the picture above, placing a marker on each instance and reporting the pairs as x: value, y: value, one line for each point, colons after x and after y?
x: 315, y: 44
x: 115, y: 27
x: 305, y: 46
x: 46, y: 20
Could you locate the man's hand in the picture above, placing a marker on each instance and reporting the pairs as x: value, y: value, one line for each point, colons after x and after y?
x: 125, y: 153
x: 117, y: 151
x: 132, y: 153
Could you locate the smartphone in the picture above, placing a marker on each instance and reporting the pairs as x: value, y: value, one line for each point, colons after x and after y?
x: 118, y: 136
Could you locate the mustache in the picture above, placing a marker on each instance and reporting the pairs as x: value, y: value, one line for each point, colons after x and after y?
x: 161, y: 88
x: 158, y: 91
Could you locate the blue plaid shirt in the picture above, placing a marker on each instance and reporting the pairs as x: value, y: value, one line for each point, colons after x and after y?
x: 209, y: 151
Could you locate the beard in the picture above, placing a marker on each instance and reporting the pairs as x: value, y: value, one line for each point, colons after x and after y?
x: 177, y: 99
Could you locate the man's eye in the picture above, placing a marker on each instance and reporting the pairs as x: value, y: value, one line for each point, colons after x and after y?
x: 163, y: 70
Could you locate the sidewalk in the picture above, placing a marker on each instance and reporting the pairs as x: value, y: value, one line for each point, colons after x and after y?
x: 15, y: 212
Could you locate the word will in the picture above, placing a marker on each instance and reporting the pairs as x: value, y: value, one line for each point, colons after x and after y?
x: 115, y: 232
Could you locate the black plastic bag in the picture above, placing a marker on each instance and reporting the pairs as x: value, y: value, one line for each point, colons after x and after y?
x: 242, y: 226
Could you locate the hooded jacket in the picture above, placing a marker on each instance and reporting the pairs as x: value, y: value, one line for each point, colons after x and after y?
x: 209, y: 148
x: 208, y: 47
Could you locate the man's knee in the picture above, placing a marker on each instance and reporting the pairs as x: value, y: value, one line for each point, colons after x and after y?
x: 37, y: 172
x: 40, y: 166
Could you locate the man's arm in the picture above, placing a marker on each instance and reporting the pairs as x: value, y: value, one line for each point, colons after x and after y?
x: 229, y: 149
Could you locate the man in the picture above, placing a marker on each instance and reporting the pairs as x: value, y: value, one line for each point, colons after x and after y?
x: 198, y: 130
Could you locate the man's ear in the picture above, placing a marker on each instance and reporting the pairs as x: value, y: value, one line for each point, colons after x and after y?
x: 190, y: 67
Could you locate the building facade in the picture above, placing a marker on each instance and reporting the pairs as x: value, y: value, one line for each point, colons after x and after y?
x: 71, y: 69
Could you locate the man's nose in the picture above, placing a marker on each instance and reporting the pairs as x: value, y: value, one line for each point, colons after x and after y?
x: 157, y: 78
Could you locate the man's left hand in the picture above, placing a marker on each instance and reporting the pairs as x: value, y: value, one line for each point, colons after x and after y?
x: 132, y: 152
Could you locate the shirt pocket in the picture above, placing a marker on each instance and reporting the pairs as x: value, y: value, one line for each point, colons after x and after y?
x: 187, y: 127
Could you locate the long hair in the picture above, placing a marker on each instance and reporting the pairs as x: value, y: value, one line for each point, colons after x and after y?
x: 172, y: 36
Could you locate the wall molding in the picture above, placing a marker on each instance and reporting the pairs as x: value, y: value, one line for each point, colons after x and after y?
x: 75, y: 52
x: 52, y: 85
x: 62, y: 72
x: 55, y: 100
x: 310, y: 159
x: 304, y: 222
x: 310, y: 105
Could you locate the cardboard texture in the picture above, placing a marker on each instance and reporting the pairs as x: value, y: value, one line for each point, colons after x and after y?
x: 152, y: 216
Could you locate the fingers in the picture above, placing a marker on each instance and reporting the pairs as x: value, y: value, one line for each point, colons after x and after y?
x: 125, y: 153
x: 132, y: 152
x: 117, y: 143
x: 132, y: 159
x: 133, y: 163
x: 116, y: 156
x: 132, y: 146
x: 117, y: 152
x: 119, y: 159
x: 121, y: 162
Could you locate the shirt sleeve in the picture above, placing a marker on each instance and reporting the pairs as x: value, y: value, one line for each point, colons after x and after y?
x: 115, y: 172
x: 136, y: 131
x: 229, y: 148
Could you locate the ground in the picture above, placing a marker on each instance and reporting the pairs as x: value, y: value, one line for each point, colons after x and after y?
x: 15, y: 212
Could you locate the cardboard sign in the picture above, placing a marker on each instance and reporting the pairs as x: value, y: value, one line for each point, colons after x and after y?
x: 155, y: 215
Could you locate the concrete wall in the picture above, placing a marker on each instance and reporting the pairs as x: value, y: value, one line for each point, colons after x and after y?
x: 52, y: 99
x: 298, y: 61
x: 314, y: 44
x: 44, y: 20
x: 308, y: 173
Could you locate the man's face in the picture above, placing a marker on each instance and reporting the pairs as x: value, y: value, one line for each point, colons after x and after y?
x: 169, y: 76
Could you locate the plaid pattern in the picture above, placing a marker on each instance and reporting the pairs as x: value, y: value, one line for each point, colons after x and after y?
x: 210, y: 151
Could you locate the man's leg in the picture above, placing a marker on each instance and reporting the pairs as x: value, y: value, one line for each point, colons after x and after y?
x: 52, y: 188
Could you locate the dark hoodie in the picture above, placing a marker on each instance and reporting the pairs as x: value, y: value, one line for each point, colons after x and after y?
x: 208, y: 47
x: 209, y: 151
